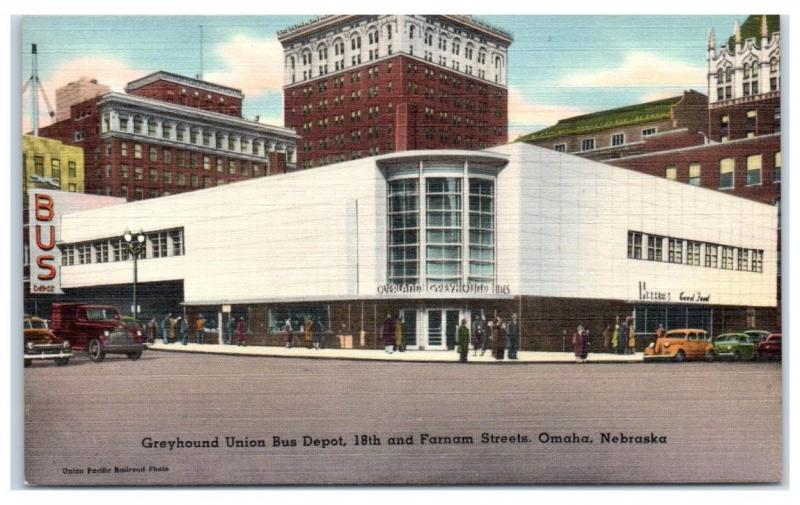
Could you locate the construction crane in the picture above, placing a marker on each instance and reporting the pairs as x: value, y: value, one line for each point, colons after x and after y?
x: 35, y: 86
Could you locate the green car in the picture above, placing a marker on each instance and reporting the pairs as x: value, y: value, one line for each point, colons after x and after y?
x: 736, y: 346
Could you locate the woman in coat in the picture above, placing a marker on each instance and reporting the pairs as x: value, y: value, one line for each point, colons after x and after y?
x: 240, y: 338
x: 631, y: 340
x: 577, y: 343
x: 387, y: 332
x: 399, y: 331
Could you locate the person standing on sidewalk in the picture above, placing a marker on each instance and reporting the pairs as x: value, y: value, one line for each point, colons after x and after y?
x: 387, y: 332
x: 499, y: 339
x: 607, y: 338
x: 229, y: 326
x: 240, y: 337
x: 622, y: 338
x: 586, y: 342
x: 477, y: 334
x: 399, y: 333
x: 184, y: 330
x: 512, y: 335
x: 200, y: 329
x: 165, y: 328
x: 463, y: 341
x: 152, y: 330
x: 287, y: 327
x: 631, y: 338
x: 173, y: 326
x: 319, y: 334
x: 307, y: 325
x: 577, y: 343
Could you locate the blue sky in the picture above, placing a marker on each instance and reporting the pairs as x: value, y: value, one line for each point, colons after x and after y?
x: 558, y: 65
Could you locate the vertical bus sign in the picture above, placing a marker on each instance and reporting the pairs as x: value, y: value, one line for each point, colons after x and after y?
x: 45, y: 255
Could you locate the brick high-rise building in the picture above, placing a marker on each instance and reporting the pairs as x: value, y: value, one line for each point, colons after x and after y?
x: 364, y: 85
x: 169, y: 134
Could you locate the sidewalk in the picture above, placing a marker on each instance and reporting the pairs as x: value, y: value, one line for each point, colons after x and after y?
x: 381, y: 355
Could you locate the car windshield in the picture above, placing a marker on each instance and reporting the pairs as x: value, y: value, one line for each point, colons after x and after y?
x: 727, y: 338
x: 675, y: 334
x: 36, y: 324
x: 101, y: 314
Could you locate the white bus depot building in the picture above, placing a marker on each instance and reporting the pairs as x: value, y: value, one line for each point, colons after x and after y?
x: 436, y: 237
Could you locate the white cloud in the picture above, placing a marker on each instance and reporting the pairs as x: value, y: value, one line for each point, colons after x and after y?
x: 526, y: 116
x: 641, y: 69
x: 109, y: 71
x: 253, y: 64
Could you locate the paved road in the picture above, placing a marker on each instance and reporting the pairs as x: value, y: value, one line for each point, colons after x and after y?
x: 722, y: 422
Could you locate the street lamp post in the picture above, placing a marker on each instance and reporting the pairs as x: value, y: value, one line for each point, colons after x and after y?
x: 134, y: 245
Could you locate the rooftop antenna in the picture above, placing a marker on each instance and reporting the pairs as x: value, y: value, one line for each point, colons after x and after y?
x: 35, y: 86
x: 200, y: 75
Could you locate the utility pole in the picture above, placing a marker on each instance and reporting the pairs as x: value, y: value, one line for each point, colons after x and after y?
x: 34, y: 85
x: 200, y: 76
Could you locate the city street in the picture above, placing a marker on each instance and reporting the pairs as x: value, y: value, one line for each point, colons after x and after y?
x: 303, y: 421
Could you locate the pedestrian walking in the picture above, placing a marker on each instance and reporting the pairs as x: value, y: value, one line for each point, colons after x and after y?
x: 622, y: 338
x: 184, y: 330
x: 499, y: 339
x: 632, y: 337
x: 477, y: 334
x: 607, y: 331
x: 229, y: 328
x: 387, y: 332
x: 614, y: 338
x: 512, y: 336
x: 319, y: 334
x: 173, y: 327
x: 165, y: 328
x: 200, y: 329
x: 577, y: 343
x: 287, y: 328
x: 152, y: 330
x: 586, y: 342
x: 463, y: 341
x: 307, y: 325
x: 399, y: 335
x: 240, y: 337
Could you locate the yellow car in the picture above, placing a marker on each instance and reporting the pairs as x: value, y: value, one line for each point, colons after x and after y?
x: 681, y: 345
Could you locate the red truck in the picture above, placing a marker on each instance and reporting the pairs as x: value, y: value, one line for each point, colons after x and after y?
x: 96, y: 329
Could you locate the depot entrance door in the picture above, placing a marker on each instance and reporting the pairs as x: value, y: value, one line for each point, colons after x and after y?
x: 441, y: 326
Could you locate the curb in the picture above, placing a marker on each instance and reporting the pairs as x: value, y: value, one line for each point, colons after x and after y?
x: 356, y: 358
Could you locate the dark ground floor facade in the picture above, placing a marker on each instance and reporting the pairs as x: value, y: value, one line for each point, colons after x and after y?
x: 546, y: 323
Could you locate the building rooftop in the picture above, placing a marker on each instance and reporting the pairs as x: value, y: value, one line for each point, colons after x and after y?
x: 612, y: 118
x: 162, y: 75
x: 751, y: 29
x: 318, y: 22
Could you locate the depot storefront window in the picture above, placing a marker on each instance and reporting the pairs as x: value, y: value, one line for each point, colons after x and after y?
x: 297, y: 316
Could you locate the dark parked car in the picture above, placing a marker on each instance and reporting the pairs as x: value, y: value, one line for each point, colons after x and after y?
x: 757, y: 335
x: 770, y: 347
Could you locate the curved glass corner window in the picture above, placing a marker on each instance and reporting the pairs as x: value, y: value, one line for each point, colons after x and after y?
x: 403, y: 230
x: 443, y: 230
x: 481, y: 231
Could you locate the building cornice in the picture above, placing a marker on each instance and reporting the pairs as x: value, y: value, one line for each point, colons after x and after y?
x: 186, y: 81
x: 194, y: 114
x: 388, y: 57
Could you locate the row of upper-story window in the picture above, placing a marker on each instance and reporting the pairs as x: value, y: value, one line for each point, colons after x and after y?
x: 617, y: 139
x: 727, y: 171
x: 182, y: 158
x: 157, y: 244
x: 749, y: 71
x: 751, y: 124
x: 194, y: 135
x: 55, y: 170
x: 651, y: 247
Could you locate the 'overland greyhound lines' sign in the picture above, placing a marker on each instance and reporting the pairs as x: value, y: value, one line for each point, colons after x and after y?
x: 444, y: 289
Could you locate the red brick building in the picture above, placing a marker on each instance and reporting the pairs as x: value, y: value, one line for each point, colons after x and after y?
x: 359, y: 86
x: 171, y: 134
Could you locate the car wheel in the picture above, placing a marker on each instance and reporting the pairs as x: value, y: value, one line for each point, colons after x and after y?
x: 680, y: 357
x: 28, y: 362
x: 134, y: 355
x: 96, y: 351
x: 62, y: 361
x: 711, y: 356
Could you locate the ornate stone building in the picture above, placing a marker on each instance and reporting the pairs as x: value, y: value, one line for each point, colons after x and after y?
x: 357, y: 86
